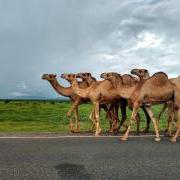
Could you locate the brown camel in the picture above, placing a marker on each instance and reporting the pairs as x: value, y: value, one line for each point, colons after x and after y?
x: 111, y: 109
x: 142, y: 93
x: 68, y: 92
x: 87, y: 77
x: 129, y: 80
x: 144, y: 74
x: 98, y: 92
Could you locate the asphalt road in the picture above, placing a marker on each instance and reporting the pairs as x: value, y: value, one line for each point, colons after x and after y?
x: 88, y: 158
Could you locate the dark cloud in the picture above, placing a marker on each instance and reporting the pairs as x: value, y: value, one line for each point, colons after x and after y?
x: 84, y: 35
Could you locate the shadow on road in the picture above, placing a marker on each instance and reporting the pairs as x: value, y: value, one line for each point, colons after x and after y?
x: 72, y: 171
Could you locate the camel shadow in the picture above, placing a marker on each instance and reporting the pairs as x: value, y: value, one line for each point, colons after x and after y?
x: 68, y: 171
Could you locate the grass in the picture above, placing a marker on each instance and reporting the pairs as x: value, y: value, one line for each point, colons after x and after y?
x: 50, y: 116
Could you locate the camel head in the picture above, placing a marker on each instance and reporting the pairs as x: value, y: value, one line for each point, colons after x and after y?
x: 109, y: 75
x: 84, y: 76
x: 49, y: 77
x: 69, y: 77
x: 141, y: 73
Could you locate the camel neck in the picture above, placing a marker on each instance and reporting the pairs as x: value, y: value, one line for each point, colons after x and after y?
x: 90, y: 81
x: 60, y: 89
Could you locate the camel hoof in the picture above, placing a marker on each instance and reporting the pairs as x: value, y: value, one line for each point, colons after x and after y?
x: 97, y: 134
x: 124, y: 138
x: 91, y: 131
x: 72, y: 131
x: 157, y: 139
x: 76, y: 131
x: 173, y: 140
x: 99, y: 130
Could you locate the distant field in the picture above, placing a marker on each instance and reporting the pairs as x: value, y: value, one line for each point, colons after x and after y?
x: 50, y: 116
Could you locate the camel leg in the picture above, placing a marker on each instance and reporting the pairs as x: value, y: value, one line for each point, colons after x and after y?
x: 133, y: 117
x: 148, y: 120
x: 116, y: 120
x: 161, y: 112
x: 178, y: 128
x: 76, y: 114
x: 169, y: 121
x: 112, y: 114
x: 138, y: 122
x: 151, y: 114
x: 109, y: 116
x: 123, y: 114
x: 92, y: 117
x: 97, y: 119
x: 171, y: 118
x: 71, y: 125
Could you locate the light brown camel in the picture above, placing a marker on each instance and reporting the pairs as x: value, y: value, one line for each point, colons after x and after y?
x: 99, y: 92
x: 111, y: 109
x: 87, y: 77
x: 144, y: 74
x: 142, y: 93
x: 68, y: 92
x: 129, y: 80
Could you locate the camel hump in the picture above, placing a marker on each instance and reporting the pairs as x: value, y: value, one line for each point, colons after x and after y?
x: 159, y: 78
x: 128, y: 76
x: 160, y: 74
x: 128, y: 79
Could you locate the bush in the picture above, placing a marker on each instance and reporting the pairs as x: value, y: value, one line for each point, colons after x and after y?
x: 6, y: 101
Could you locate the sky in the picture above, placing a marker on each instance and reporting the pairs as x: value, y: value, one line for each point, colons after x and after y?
x: 70, y: 36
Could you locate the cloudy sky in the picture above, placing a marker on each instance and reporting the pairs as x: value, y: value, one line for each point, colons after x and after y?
x: 57, y: 36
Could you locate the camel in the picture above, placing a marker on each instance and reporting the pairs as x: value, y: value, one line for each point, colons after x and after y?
x: 129, y: 80
x: 68, y: 92
x: 111, y: 109
x: 142, y: 93
x: 144, y: 74
x: 87, y: 77
x: 99, y: 92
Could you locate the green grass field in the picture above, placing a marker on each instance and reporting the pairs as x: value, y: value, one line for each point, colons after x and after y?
x: 50, y: 116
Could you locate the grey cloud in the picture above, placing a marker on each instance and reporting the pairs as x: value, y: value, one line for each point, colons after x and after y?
x: 70, y: 36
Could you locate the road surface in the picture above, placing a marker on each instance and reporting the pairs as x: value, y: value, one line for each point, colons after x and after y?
x: 88, y: 158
